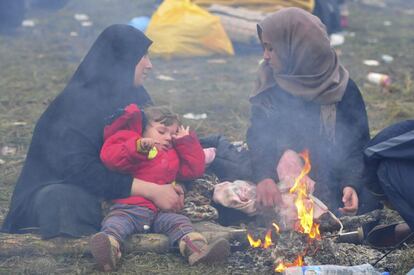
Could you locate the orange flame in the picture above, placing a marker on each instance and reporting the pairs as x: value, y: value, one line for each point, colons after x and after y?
x: 268, y: 239
x: 254, y: 243
x: 315, y: 234
x: 303, y: 203
x: 282, y: 266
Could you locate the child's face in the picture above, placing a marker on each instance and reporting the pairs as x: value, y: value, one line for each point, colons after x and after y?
x: 162, y: 134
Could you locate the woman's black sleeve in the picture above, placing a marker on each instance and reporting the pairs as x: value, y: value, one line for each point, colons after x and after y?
x: 352, y: 135
x: 262, y: 143
x: 84, y: 167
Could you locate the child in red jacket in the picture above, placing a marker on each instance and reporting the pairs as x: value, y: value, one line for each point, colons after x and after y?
x: 160, y: 152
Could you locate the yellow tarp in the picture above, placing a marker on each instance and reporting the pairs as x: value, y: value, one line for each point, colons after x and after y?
x: 180, y: 28
x: 261, y: 5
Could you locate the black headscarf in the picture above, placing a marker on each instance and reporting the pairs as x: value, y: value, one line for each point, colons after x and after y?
x: 68, y: 136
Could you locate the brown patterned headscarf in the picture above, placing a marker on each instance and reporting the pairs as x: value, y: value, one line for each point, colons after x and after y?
x: 311, y: 69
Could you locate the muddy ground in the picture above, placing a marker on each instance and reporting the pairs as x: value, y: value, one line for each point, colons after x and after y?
x: 36, y: 63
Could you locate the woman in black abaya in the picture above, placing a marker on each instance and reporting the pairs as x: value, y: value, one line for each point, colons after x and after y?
x: 63, y: 180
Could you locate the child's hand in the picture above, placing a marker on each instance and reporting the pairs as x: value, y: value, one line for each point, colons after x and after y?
x: 145, y: 145
x: 182, y: 132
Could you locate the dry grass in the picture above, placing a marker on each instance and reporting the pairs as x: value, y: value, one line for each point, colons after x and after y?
x: 37, y: 63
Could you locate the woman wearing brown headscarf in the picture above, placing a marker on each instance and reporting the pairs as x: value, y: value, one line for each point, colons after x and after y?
x: 304, y: 99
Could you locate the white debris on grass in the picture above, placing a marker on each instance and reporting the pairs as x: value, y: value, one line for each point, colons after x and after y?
x: 28, y: 23
x: 2, y: 162
x: 371, y: 62
x: 387, y: 58
x: 8, y: 151
x: 387, y: 23
x: 337, y: 39
x: 165, y: 77
x: 87, y: 23
x: 81, y: 17
x: 195, y: 116
x: 19, y: 123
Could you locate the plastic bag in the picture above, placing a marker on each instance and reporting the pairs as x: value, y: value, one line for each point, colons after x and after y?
x: 180, y: 28
x: 239, y: 194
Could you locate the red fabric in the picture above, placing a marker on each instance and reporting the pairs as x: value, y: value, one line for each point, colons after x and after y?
x: 185, y: 161
x: 130, y: 120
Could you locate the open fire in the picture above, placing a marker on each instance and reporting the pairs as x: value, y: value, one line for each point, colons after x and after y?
x: 305, y: 223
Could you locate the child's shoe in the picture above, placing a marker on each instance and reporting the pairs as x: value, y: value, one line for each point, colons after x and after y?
x: 106, y: 251
x: 195, y: 247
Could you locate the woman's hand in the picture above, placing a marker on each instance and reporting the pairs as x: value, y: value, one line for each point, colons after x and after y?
x: 167, y: 197
x: 350, y: 200
x: 182, y: 132
x: 267, y: 194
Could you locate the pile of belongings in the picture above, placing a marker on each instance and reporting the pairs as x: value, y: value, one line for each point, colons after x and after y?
x: 180, y: 28
x: 240, y: 17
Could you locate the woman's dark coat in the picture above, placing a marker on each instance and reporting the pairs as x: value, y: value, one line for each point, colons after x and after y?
x: 68, y: 136
x: 280, y: 121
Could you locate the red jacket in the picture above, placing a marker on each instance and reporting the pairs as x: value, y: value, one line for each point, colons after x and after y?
x: 185, y: 161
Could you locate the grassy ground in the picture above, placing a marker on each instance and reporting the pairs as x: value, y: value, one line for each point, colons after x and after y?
x: 36, y: 63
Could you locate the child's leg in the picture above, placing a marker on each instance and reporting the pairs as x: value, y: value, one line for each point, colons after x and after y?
x: 121, y: 222
x: 175, y: 226
x: 124, y: 220
x: 192, y: 244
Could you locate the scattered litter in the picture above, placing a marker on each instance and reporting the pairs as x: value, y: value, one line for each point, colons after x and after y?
x: 8, y: 151
x: 371, y: 62
x: 337, y: 39
x: 165, y: 77
x: 140, y: 23
x: 387, y: 58
x: 28, y: 23
x: 387, y: 23
x: 2, y: 162
x: 81, y: 17
x: 86, y: 23
x: 74, y: 34
x: 195, y: 116
x: 217, y: 61
x: 379, y: 79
